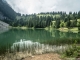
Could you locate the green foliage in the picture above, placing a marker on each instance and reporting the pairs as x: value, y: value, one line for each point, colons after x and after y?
x: 79, y: 15
x: 62, y: 24
x: 72, y: 51
x: 41, y: 20
x: 78, y: 24
x: 72, y: 23
x: 79, y: 28
x: 53, y: 24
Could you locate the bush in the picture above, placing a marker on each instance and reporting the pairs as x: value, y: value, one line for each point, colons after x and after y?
x: 78, y: 28
x: 72, y: 51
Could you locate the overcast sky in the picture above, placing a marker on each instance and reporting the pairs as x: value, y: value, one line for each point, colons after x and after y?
x: 37, y: 6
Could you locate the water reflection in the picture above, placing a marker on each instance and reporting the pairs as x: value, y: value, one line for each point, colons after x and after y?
x: 41, y: 36
x: 36, y: 47
x: 27, y: 48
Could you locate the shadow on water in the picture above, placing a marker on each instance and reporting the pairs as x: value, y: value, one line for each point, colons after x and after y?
x: 5, y: 49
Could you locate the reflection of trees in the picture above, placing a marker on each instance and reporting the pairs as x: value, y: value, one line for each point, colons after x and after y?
x: 39, y: 35
x: 55, y: 33
x: 64, y: 34
x: 64, y: 37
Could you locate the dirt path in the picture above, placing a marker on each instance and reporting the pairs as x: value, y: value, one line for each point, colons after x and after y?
x: 48, y: 56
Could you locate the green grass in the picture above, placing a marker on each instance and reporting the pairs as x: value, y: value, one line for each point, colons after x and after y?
x: 20, y: 27
x: 64, y: 29
x: 78, y: 20
x: 57, y: 15
x: 74, y: 29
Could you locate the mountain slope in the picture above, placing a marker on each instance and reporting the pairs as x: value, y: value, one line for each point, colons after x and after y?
x: 7, y: 10
x: 3, y: 25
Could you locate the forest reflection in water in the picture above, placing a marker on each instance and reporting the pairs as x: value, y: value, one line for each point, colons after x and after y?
x: 45, y: 38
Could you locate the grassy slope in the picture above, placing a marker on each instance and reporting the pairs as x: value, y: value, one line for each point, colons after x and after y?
x: 57, y: 15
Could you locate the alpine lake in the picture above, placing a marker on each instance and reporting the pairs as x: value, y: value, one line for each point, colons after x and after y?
x: 36, y: 40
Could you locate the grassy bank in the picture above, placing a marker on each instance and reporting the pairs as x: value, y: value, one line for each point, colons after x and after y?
x: 23, y: 27
x: 50, y: 29
x: 74, y: 29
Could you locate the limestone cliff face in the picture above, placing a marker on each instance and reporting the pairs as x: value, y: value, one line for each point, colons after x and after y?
x: 1, y: 16
x: 3, y: 25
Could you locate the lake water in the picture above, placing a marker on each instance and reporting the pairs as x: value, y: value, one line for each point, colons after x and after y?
x: 13, y: 37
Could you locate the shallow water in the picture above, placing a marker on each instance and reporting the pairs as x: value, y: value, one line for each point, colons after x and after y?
x: 36, y: 47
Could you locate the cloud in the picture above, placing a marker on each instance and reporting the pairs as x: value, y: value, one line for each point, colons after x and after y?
x: 68, y: 5
x: 37, y: 6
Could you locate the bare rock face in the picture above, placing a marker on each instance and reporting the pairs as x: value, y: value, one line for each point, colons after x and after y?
x: 2, y: 16
x: 3, y: 27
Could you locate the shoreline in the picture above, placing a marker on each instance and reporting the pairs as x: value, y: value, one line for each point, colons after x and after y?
x: 74, y: 29
x: 44, y: 56
x: 21, y: 56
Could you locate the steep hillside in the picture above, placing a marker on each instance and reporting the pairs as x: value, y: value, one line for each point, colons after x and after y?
x: 7, y: 10
x: 2, y: 17
x: 3, y: 25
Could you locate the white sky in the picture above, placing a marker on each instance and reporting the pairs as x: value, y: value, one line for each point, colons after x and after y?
x: 37, y: 6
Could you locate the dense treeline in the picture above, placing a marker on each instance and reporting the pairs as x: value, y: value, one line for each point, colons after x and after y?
x: 41, y: 20
x: 33, y: 21
x: 53, y: 19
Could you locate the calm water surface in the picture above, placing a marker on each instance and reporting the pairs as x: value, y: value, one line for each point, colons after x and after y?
x: 53, y: 37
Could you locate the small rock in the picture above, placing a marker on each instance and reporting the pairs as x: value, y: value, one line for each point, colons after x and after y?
x: 32, y: 56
